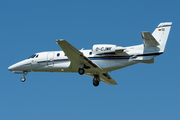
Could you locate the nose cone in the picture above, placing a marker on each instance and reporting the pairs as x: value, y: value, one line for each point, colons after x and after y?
x: 15, y: 67
x: 20, y: 66
x: 10, y: 68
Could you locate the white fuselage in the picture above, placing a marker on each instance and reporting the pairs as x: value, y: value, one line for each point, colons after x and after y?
x: 57, y: 61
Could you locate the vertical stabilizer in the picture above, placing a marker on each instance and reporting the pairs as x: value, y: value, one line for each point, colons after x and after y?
x: 161, y: 34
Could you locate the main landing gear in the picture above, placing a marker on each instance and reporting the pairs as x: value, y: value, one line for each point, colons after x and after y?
x: 23, y: 79
x: 96, y: 81
x: 81, y: 71
x: 96, y: 78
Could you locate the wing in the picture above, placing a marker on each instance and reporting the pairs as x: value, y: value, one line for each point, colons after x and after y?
x: 78, y: 60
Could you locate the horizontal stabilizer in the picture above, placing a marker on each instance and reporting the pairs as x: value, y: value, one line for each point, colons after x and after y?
x: 144, y: 59
x: 149, y: 40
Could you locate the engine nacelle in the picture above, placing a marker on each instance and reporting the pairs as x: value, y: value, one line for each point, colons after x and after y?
x: 107, y: 49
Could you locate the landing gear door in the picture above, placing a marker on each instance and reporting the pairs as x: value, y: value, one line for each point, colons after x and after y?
x: 50, y: 59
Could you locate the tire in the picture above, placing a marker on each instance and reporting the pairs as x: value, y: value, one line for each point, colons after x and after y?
x: 95, y: 83
x: 81, y: 71
x: 23, y: 79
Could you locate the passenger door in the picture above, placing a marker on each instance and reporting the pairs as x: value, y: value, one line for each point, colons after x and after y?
x: 50, y: 59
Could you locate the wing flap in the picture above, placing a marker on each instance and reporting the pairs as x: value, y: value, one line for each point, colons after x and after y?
x: 106, y: 78
x: 89, y: 61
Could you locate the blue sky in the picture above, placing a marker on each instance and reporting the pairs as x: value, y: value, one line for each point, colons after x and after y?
x: 144, y: 91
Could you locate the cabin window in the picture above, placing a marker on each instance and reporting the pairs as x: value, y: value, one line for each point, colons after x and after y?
x: 37, y: 56
x: 90, y: 53
x: 58, y: 54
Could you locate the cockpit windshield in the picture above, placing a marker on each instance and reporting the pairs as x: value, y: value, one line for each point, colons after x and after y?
x: 33, y: 56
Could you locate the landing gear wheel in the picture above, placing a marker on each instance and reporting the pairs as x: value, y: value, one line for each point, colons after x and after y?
x: 96, y: 81
x: 23, y: 78
x: 81, y: 71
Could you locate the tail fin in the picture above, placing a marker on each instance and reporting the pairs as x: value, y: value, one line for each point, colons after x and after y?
x: 161, y: 34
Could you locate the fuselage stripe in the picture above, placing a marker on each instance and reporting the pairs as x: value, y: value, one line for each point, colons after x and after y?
x: 105, y: 57
x: 164, y: 26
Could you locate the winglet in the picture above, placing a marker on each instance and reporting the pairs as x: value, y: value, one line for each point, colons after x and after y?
x: 60, y: 40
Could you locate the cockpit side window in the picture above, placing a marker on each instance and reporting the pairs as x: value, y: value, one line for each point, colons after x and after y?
x: 37, y: 56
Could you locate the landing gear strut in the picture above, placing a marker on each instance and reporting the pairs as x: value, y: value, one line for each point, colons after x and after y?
x: 96, y: 81
x: 23, y: 77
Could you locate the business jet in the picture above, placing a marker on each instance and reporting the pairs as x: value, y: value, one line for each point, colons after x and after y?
x: 98, y: 61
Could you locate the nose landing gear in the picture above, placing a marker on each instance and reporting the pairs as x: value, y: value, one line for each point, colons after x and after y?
x: 23, y: 77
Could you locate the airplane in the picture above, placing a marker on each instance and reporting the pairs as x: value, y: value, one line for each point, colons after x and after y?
x: 98, y: 61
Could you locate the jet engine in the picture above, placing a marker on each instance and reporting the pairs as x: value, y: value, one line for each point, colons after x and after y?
x: 107, y: 49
